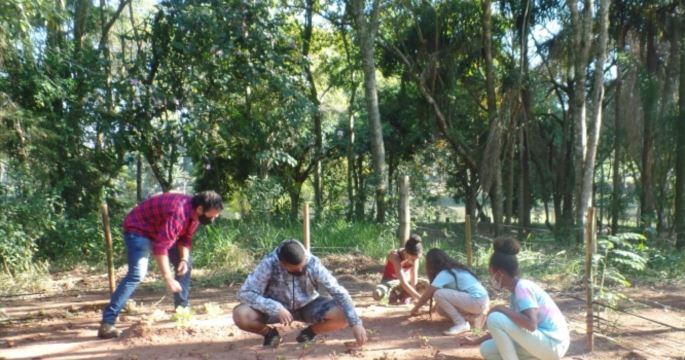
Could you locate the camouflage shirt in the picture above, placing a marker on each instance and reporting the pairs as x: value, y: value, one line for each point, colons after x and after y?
x: 269, y: 288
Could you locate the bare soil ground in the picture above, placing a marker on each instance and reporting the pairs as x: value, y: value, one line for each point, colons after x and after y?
x: 64, y: 327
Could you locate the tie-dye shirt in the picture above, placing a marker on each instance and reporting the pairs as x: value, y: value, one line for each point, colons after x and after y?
x: 551, y: 322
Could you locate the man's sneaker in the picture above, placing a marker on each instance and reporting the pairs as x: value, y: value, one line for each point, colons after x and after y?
x: 306, y: 335
x: 458, y: 329
x: 108, y: 331
x: 272, y: 339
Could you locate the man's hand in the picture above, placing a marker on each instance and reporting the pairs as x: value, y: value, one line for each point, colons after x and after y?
x: 173, y: 286
x: 359, y: 334
x: 285, y: 317
x: 182, y: 268
x: 414, y: 311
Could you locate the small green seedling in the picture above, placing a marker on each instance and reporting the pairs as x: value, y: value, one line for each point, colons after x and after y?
x: 131, y: 307
x: 157, y: 315
x: 424, y: 341
x: 182, y: 316
x: 212, y: 309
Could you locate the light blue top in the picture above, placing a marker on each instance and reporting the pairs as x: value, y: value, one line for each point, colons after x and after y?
x: 457, y: 279
x: 551, y: 322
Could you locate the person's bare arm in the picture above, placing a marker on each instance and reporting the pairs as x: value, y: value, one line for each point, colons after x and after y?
x: 415, y: 273
x: 402, y: 276
x: 165, y: 270
x: 424, y: 299
x: 183, y: 255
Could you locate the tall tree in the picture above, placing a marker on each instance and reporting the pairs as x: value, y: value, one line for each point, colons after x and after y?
x: 307, y: 32
x: 586, y: 144
x: 650, y: 101
x: 366, y: 26
x: 492, y: 156
x: 597, y: 108
x: 621, y: 30
x: 680, y: 155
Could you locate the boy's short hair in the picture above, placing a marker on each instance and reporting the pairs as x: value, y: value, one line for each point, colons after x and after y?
x: 292, y: 252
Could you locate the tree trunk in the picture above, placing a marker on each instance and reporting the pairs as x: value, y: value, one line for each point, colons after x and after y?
x: 492, y: 154
x: 524, y: 101
x: 139, y: 178
x: 350, y: 163
x: 294, y: 193
x: 170, y: 170
x: 510, y: 181
x: 521, y: 191
x: 650, y: 104
x: 359, y: 208
x: 597, y: 100
x: 525, y: 163
x: 470, y: 195
x: 158, y: 172
x: 366, y: 33
x: 618, y: 135
x: 497, y: 203
x: 582, y: 38
x: 314, y: 98
x: 664, y: 162
x: 350, y: 125
x: 680, y: 159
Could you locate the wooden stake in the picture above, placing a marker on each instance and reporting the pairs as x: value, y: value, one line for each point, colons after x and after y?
x: 108, y: 246
x: 405, y: 215
x: 589, y: 277
x: 305, y: 221
x: 468, y: 240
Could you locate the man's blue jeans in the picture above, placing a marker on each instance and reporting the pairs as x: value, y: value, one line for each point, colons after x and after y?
x: 138, y: 253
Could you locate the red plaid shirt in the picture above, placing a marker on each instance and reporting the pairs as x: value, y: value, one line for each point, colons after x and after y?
x: 163, y: 219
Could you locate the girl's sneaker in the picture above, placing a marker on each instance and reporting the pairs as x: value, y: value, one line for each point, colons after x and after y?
x: 458, y: 329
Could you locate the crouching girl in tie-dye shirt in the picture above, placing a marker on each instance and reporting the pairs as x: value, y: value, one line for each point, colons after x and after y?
x: 532, y: 327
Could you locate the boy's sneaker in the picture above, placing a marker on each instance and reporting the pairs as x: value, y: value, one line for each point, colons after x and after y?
x: 272, y: 339
x: 108, y: 331
x: 306, y: 335
x: 458, y: 329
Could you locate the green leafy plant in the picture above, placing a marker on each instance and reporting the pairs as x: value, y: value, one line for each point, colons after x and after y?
x: 617, y: 256
x: 211, y: 309
x: 182, y: 316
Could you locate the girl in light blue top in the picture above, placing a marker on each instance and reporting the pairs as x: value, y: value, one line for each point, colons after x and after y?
x: 532, y: 327
x: 458, y: 293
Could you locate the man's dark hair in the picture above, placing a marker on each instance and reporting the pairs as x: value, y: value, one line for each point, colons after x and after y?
x: 291, y: 252
x: 208, y: 200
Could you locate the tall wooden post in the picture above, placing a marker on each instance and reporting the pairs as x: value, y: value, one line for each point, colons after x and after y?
x: 468, y: 240
x: 589, y: 276
x: 108, y: 246
x: 405, y: 214
x: 305, y: 222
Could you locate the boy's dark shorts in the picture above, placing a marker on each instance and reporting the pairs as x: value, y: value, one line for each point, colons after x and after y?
x: 312, y: 313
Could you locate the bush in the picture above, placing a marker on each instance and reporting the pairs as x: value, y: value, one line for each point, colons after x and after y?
x: 23, y: 222
x: 34, y: 228
x: 229, y: 243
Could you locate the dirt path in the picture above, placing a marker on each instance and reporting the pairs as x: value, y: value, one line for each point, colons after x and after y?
x: 64, y: 327
x: 54, y: 335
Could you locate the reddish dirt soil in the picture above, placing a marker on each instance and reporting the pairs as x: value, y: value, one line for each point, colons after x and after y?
x: 64, y: 327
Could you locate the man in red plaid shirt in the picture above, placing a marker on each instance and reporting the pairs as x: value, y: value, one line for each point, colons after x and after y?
x: 164, y: 225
